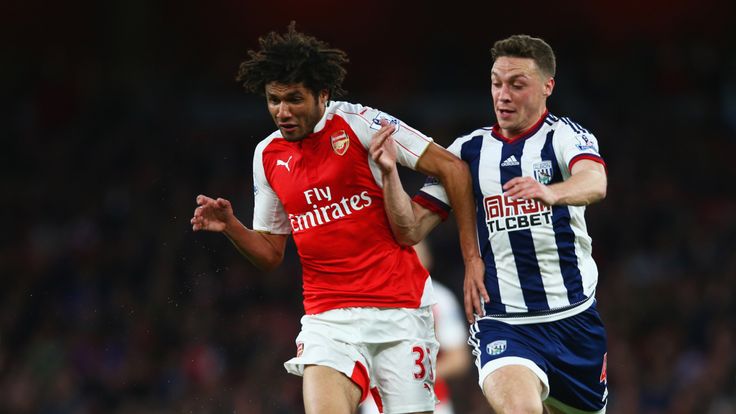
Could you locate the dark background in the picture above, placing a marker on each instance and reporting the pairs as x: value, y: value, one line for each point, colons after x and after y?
x: 115, y: 115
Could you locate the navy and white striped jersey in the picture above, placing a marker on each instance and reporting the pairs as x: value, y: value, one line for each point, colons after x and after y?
x: 538, y: 258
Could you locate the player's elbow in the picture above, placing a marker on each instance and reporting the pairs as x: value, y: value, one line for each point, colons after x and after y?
x: 602, y: 194
x: 458, y: 169
x: 406, y: 235
x: 268, y: 265
x: 599, y: 192
x: 408, y: 240
x: 600, y: 184
x: 267, y: 262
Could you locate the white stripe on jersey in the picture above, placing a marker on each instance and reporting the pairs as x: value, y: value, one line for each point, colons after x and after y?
x: 553, y: 280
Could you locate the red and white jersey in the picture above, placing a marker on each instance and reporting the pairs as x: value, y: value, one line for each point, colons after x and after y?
x: 326, y: 191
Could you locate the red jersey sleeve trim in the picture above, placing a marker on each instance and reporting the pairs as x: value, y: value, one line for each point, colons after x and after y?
x: 432, y: 204
x: 587, y: 157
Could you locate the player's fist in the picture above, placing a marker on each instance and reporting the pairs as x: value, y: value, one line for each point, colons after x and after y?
x: 527, y: 188
x: 211, y: 214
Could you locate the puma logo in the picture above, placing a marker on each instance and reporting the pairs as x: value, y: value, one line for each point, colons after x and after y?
x: 284, y: 163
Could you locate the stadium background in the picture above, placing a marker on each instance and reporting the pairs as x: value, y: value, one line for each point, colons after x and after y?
x: 115, y: 115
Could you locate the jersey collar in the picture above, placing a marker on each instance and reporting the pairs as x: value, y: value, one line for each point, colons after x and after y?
x: 496, y: 131
x: 323, y: 121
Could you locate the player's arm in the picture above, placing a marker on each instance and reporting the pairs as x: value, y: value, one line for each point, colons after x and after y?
x: 586, y: 185
x: 411, y: 222
x: 454, y: 175
x: 264, y: 250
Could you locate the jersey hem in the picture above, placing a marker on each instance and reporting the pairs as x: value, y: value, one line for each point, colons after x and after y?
x: 548, y: 316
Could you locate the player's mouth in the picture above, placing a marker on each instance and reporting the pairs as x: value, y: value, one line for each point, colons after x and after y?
x: 288, y: 128
x: 505, y: 113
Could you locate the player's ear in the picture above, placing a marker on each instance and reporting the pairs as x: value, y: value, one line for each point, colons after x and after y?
x: 323, y: 96
x: 549, y: 85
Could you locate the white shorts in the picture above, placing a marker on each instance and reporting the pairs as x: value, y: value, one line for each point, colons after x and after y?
x: 369, y: 407
x: 390, y: 352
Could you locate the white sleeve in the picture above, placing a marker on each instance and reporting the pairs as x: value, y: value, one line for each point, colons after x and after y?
x: 452, y: 330
x: 410, y: 143
x: 268, y: 212
x: 572, y: 143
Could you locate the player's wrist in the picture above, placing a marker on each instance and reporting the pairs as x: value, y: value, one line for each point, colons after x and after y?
x: 472, y: 259
x: 389, y: 171
x: 231, y: 226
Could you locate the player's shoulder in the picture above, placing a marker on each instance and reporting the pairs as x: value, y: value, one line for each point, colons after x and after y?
x: 476, y: 133
x: 349, y: 109
x: 356, y: 113
x: 568, y: 132
x: 275, y: 136
x: 564, y: 125
x: 346, y: 107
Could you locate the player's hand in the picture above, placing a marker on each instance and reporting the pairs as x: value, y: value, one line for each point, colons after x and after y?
x: 383, y: 148
x: 528, y: 188
x: 211, y: 215
x: 474, y: 290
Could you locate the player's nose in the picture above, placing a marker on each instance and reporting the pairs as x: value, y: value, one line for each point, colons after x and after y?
x: 503, y: 93
x: 283, y: 110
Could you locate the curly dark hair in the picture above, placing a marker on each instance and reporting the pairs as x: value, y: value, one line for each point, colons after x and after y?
x: 525, y: 46
x: 294, y: 57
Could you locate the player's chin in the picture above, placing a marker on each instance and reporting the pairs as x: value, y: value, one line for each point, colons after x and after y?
x: 292, y: 134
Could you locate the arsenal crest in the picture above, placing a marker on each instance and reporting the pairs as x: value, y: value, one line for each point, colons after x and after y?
x: 340, y: 142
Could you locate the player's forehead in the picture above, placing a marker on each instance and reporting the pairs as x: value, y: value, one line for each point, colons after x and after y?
x: 285, y: 89
x: 510, y: 67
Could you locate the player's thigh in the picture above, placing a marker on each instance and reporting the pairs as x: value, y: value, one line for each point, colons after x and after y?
x: 514, y: 389
x: 328, y: 391
x: 332, y: 339
x: 577, y: 367
x: 403, y: 368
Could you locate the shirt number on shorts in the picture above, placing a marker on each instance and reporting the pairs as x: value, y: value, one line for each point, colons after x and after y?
x: 421, y: 353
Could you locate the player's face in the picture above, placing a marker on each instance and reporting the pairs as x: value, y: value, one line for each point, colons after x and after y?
x: 520, y: 92
x: 294, y: 109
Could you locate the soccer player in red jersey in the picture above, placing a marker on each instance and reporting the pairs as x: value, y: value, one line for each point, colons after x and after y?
x: 368, y: 325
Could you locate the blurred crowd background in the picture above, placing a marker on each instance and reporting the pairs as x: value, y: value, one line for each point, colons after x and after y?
x: 115, y: 115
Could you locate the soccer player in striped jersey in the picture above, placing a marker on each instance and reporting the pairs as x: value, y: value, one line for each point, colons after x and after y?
x: 368, y: 325
x: 537, y: 336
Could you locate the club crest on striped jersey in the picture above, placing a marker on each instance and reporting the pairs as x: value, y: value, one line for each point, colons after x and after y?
x: 496, y: 347
x: 340, y: 142
x: 543, y: 172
